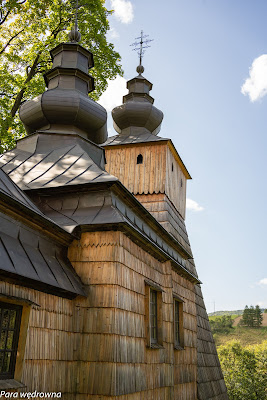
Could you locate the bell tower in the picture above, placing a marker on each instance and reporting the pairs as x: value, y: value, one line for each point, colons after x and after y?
x: 148, y: 165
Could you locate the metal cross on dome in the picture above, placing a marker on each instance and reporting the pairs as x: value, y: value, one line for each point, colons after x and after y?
x: 74, y: 34
x: 141, y: 45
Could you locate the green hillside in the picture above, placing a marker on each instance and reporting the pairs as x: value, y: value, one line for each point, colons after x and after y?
x: 246, y: 336
x: 214, y: 317
x: 220, y: 313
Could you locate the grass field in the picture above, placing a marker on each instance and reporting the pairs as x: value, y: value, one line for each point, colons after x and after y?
x: 245, y: 335
x: 214, y: 317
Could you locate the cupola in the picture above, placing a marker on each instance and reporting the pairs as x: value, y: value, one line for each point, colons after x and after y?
x: 65, y: 106
x: 137, y: 110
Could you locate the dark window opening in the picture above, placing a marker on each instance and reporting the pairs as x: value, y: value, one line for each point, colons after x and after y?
x: 139, y: 159
x: 153, y: 317
x: 181, y: 183
x: 10, y: 317
x: 177, y: 322
x: 172, y: 167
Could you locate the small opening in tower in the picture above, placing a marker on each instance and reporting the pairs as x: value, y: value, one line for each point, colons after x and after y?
x: 139, y: 159
x: 172, y: 167
x: 181, y: 183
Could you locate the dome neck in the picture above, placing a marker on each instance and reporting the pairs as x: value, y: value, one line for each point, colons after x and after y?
x: 71, y: 63
x: 139, y: 88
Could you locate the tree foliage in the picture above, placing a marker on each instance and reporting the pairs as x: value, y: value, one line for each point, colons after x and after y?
x: 29, y: 29
x: 244, y: 370
x: 221, y: 324
x: 252, y: 317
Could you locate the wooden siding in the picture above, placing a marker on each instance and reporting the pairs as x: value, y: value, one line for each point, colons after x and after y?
x: 116, y: 269
x: 175, y: 186
x: 162, y: 209
x: 148, y: 177
x: 160, y: 171
x: 208, y: 362
x: 96, y: 346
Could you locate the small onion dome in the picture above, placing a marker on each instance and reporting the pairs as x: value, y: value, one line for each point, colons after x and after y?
x: 137, y: 109
x: 74, y: 35
x: 140, y: 69
x: 65, y: 107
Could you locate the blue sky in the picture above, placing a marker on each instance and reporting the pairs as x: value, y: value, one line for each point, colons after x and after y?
x: 203, y: 53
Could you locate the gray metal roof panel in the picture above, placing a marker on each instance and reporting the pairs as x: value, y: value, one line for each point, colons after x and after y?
x: 8, y: 187
x: 34, y: 260
x: 142, y: 137
x: 72, y: 161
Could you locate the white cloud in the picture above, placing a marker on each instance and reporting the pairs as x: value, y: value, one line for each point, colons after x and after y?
x: 123, y: 10
x: 193, y: 205
x: 256, y: 85
x: 263, y: 281
x: 112, y: 97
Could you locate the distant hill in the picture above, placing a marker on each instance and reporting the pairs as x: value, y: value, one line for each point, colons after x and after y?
x: 243, y: 334
x: 219, y: 313
x: 264, y: 320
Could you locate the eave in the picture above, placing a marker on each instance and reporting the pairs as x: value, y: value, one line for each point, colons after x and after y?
x: 123, y: 223
x: 144, y: 242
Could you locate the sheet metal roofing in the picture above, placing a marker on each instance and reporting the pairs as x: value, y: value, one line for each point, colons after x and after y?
x: 44, y: 161
x: 8, y: 188
x: 105, y: 208
x: 143, y: 136
x: 48, y: 160
x: 28, y: 256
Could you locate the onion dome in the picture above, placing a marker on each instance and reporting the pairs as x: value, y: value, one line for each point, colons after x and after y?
x: 137, y: 110
x: 65, y: 107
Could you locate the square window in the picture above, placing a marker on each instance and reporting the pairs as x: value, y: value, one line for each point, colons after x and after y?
x: 10, y: 317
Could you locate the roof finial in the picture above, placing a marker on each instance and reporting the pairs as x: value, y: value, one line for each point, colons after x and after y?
x: 74, y: 34
x: 139, y: 47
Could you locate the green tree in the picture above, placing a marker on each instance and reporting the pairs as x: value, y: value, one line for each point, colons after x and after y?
x: 249, y: 317
x: 28, y: 30
x: 258, y: 316
x: 245, y: 317
x: 244, y: 370
x: 221, y: 324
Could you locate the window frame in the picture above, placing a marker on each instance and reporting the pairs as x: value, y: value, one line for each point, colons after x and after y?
x: 178, y: 302
x: 155, y: 341
x: 18, y: 308
x: 153, y: 316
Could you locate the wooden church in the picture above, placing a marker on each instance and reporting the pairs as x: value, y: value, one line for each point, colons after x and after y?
x: 99, y: 294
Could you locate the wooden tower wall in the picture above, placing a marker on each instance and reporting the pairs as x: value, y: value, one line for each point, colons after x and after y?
x: 146, y: 178
x: 175, y: 183
x: 160, y: 172
x: 116, y: 271
x: 97, y: 346
x: 163, y: 210
x: 159, y: 183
